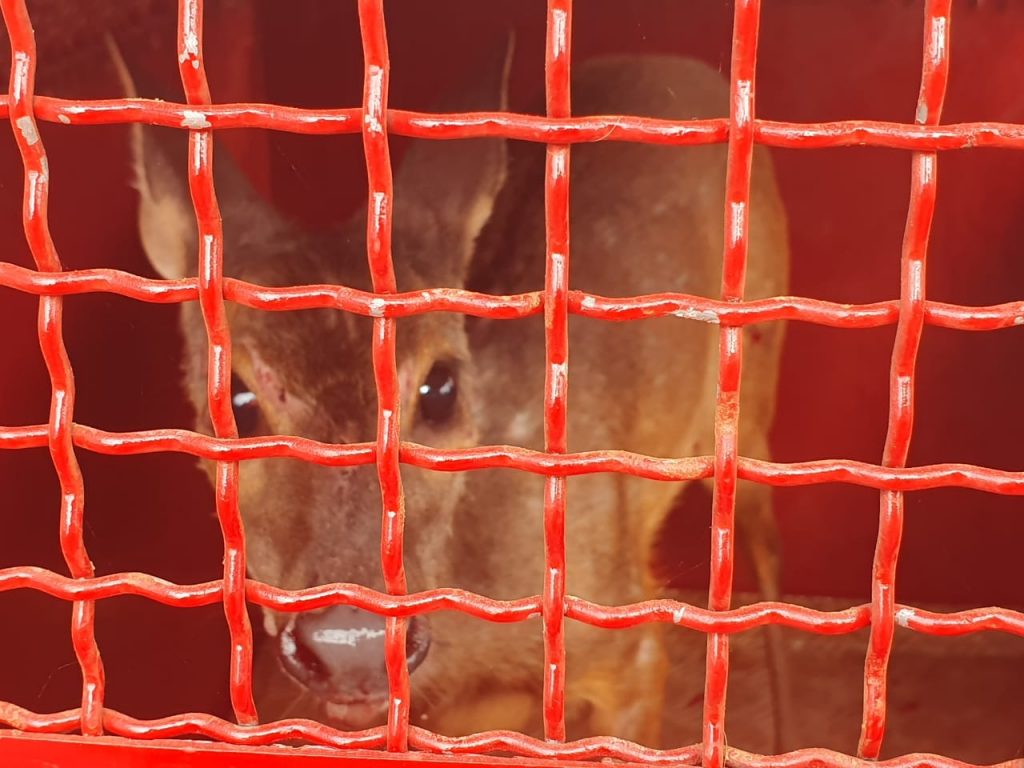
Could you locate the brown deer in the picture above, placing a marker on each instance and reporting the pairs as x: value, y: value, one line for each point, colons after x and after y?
x: 469, y: 213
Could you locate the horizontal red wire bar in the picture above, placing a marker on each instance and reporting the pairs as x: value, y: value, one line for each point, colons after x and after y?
x: 499, y: 611
x: 816, y: 472
x: 195, y: 724
x: 568, y: 130
x: 952, y: 624
x: 955, y: 316
x: 249, y: 746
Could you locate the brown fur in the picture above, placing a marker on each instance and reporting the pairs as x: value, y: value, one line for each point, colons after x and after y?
x: 644, y: 220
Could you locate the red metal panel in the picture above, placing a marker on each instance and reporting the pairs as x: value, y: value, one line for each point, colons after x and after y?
x: 35, y: 751
x: 42, y: 751
x: 142, y: 742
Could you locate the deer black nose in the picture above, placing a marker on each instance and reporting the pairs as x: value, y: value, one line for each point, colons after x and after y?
x: 338, y: 653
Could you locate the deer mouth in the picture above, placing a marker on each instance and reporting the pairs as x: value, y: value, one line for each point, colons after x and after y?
x: 357, y: 715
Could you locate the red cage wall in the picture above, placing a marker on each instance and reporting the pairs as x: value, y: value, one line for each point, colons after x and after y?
x: 926, y: 138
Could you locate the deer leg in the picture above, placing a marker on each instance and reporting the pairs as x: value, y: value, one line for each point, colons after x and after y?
x: 624, y: 700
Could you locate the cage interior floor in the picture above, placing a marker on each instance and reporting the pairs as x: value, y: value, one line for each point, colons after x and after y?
x: 959, y: 696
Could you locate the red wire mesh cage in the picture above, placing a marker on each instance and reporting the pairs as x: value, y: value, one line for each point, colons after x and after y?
x: 106, y: 734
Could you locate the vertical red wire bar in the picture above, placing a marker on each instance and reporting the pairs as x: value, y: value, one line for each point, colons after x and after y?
x: 211, y: 300
x: 58, y: 365
x: 923, y: 187
x: 734, y: 266
x: 382, y: 273
x: 556, y: 379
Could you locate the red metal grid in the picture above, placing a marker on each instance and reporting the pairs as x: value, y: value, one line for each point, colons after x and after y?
x: 742, y: 130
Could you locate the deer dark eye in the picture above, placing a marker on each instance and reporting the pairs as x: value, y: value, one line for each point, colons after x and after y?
x: 438, y: 394
x: 246, y: 406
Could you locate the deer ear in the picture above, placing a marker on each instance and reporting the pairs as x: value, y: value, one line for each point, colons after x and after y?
x: 167, y: 223
x: 167, y: 219
x: 457, y: 181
